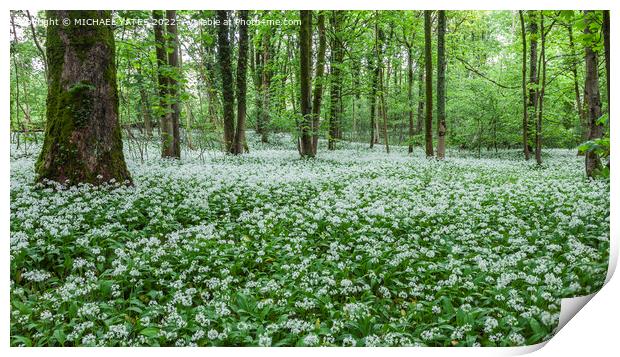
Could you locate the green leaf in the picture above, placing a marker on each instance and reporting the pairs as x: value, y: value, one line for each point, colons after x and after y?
x: 151, y: 332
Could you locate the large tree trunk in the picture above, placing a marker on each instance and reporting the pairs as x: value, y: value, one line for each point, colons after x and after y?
x: 241, y: 82
x: 428, y: 61
x: 533, y: 90
x: 318, y: 82
x: 172, y: 146
x: 441, y: 85
x: 228, y: 92
x: 82, y: 136
x: 305, y: 59
x: 593, y: 98
x: 526, y: 148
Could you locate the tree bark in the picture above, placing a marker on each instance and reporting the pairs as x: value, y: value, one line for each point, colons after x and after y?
x: 373, y: 68
x: 228, y: 93
x: 606, y: 45
x: 411, y: 131
x: 37, y: 43
x: 428, y: 61
x: 441, y: 85
x: 533, y: 83
x: 573, y: 65
x: 541, y: 94
x: 336, y: 60
x: 82, y: 136
x: 318, y: 82
x: 421, y: 81
x: 172, y: 148
x: 382, y: 106
x: 593, y: 162
x: 305, y: 59
x: 241, y: 82
x: 526, y: 148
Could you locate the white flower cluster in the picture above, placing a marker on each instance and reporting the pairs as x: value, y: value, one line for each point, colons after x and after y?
x: 353, y: 248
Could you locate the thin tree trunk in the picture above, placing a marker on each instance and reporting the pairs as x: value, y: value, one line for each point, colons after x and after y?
x: 580, y: 110
x: 541, y: 95
x: 526, y: 148
x: 606, y: 44
x: 533, y: 84
x: 593, y: 162
x: 410, y: 98
x: 373, y: 98
x: 421, y: 81
x: 37, y: 43
x: 241, y: 82
x: 318, y: 82
x: 174, y: 147
x: 441, y: 85
x: 382, y: 106
x: 305, y: 59
x: 336, y: 60
x: 428, y: 61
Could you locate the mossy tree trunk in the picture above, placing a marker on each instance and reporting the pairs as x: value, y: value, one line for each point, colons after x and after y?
x: 305, y: 58
x: 82, y: 136
x: 173, y: 143
x: 242, y: 60
x: 593, y: 98
x: 228, y: 92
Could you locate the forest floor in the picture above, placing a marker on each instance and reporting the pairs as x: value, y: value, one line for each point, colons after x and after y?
x: 355, y: 247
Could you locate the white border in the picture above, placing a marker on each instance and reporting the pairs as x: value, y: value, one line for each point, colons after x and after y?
x: 594, y: 330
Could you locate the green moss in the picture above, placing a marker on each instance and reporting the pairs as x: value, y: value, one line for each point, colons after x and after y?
x: 70, y: 106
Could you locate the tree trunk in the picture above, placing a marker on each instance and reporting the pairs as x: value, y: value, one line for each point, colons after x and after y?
x: 410, y: 98
x: 420, y: 121
x: 336, y: 59
x: 373, y: 99
x: 428, y: 61
x: 541, y: 95
x: 526, y: 148
x: 382, y: 106
x: 441, y: 85
x: 533, y: 84
x: 228, y: 92
x: 83, y: 135
x: 593, y: 162
x: 241, y: 82
x: 573, y: 64
x: 162, y: 78
x: 173, y: 147
x: 318, y: 83
x: 305, y: 59
x: 606, y: 44
x: 37, y: 43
